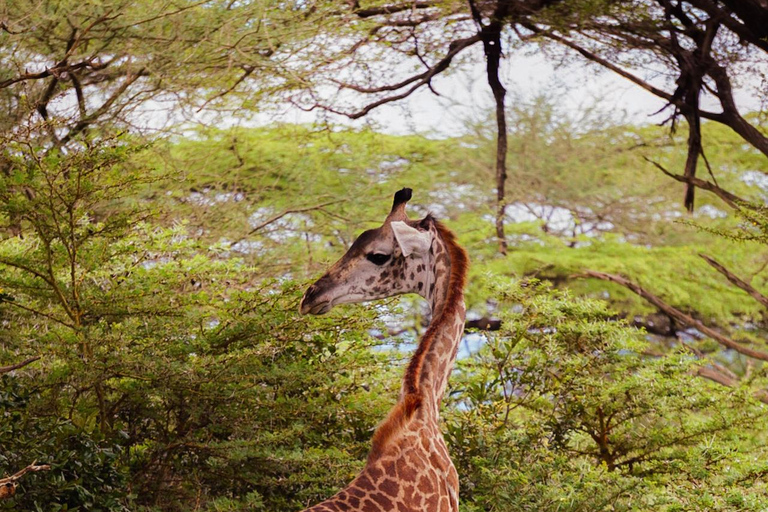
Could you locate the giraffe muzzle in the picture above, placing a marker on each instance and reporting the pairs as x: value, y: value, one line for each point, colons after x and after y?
x: 310, y: 305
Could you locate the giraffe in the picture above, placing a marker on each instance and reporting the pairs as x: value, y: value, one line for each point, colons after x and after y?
x: 408, y: 467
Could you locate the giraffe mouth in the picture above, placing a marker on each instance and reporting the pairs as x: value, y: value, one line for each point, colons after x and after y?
x: 320, y: 308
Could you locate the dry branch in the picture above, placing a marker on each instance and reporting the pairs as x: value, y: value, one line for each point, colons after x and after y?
x: 679, y: 316
x: 736, y: 280
x: 8, y: 484
x: 10, y: 368
x: 731, y: 200
x: 282, y: 214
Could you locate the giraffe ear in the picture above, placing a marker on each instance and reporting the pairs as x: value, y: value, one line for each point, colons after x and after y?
x: 411, y: 240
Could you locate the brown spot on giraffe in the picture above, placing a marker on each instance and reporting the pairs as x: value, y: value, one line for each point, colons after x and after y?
x: 408, y: 467
x: 390, y: 487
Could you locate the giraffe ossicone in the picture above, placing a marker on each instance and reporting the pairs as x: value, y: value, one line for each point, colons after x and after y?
x: 408, y: 468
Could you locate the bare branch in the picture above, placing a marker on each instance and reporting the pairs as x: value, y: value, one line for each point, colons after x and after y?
x: 679, y: 316
x: 392, y: 9
x: 728, y: 197
x: 286, y: 212
x: 16, y: 366
x: 762, y: 299
x: 282, y: 214
x: 84, y: 123
x: 420, y: 80
x: 8, y: 484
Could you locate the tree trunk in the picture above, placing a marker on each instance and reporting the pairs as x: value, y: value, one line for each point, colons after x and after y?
x: 492, y: 46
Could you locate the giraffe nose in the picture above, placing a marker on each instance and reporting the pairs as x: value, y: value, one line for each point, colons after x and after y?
x: 308, y: 301
x: 316, y: 300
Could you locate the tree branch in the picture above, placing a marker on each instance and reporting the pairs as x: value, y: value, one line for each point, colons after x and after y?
x: 730, y: 199
x: 57, y: 70
x: 392, y: 9
x: 421, y: 80
x: 679, y: 316
x: 762, y: 299
x: 8, y: 484
x: 16, y: 366
x: 711, y: 373
x: 282, y: 214
x: 82, y: 124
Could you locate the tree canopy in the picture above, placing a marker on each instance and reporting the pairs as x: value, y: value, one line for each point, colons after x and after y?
x: 152, y: 255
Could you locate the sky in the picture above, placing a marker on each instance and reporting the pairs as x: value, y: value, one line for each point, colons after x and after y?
x: 465, y: 98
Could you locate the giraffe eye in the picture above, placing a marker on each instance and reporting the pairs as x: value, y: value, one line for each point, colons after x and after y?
x: 377, y: 258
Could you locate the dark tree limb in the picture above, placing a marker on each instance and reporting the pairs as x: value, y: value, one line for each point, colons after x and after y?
x: 483, y: 324
x: 16, y: 366
x: 394, y: 8
x: 736, y: 280
x: 81, y: 108
x: 491, y: 36
x: 751, y: 27
x: 731, y: 115
x: 55, y: 71
x: 418, y: 81
x: 730, y: 199
x: 679, y: 316
x: 696, y: 65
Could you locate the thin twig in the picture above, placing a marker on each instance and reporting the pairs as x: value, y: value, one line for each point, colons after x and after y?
x: 282, y: 214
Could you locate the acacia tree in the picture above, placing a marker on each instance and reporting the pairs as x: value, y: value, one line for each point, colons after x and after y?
x: 701, y: 51
x: 69, y: 67
x: 348, y: 67
x: 690, y: 53
x: 73, y: 74
x: 370, y: 54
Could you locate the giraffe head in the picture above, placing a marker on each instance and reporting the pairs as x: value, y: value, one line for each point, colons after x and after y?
x: 382, y: 262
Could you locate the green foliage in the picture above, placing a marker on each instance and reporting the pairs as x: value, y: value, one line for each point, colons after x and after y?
x: 160, y: 285
x: 561, y: 410
x: 84, y: 471
x: 175, y: 356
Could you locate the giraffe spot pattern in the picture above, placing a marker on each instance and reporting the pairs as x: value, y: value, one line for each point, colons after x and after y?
x: 413, y: 472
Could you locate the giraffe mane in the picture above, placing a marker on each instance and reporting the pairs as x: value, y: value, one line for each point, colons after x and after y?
x: 402, y: 412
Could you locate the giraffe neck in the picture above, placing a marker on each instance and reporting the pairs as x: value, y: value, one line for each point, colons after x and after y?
x: 409, y: 468
x: 432, y: 362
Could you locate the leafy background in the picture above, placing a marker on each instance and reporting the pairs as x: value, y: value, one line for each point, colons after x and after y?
x: 160, y: 284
